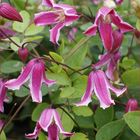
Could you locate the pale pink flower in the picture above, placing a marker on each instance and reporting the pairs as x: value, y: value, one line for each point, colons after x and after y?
x: 103, y: 22
x: 100, y: 85
x: 35, y: 71
x: 60, y: 15
x: 50, y: 122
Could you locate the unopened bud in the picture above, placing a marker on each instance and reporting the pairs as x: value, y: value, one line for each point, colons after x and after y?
x: 118, y: 1
x: 9, y: 12
x: 131, y: 105
x: 23, y: 54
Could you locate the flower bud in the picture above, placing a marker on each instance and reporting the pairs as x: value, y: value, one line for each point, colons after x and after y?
x: 131, y: 105
x: 9, y: 12
x: 23, y: 53
x: 118, y: 2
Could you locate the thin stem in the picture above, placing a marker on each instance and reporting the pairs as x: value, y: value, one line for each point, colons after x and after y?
x: 70, y: 116
x: 9, y: 38
x: 17, y: 111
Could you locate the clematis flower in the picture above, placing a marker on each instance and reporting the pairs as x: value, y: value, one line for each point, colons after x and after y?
x: 131, y: 105
x: 35, y: 71
x: 111, y: 58
x: 98, y: 83
x: 3, y: 97
x: 104, y: 18
x: 60, y: 15
x: 9, y: 12
x: 50, y: 122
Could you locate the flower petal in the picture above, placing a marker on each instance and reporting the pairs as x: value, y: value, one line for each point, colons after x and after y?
x: 46, y: 18
x: 123, y: 26
x: 47, y: 81
x: 34, y: 135
x: 59, y: 124
x: 53, y: 132
x: 36, y: 82
x: 8, y: 32
x: 3, y: 91
x: 86, y: 99
x: 55, y: 33
x: 91, y: 31
x: 103, y: 60
x: 23, y: 77
x: 117, y: 40
x: 48, y: 3
x: 101, y: 89
x: 46, y: 119
x: 69, y: 19
x: 105, y: 30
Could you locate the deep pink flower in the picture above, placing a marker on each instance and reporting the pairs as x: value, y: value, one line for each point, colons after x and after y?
x: 50, y: 122
x: 60, y: 15
x: 3, y: 97
x: 98, y: 83
x: 35, y: 71
x: 111, y: 58
x: 103, y: 20
x: 9, y: 12
x: 131, y: 105
x: 118, y: 1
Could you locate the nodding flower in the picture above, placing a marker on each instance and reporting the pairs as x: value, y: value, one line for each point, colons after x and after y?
x: 100, y: 85
x: 9, y: 12
x: 103, y: 22
x: 35, y: 71
x: 60, y: 15
x: 50, y: 122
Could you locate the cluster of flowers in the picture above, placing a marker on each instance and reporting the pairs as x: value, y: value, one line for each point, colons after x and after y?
x: 61, y: 15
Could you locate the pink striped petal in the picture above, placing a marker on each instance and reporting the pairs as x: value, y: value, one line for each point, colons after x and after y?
x: 46, y: 18
x: 105, y: 30
x: 123, y: 26
x: 70, y: 19
x: 23, y: 77
x: 36, y: 82
x: 53, y: 132
x: 46, y: 119
x: 47, y: 81
x: 117, y: 40
x: 59, y: 124
x: 3, y: 91
x: 48, y: 3
x: 86, y: 99
x: 91, y: 31
x: 8, y: 32
x: 55, y: 33
x: 35, y: 134
x: 103, y: 61
x: 101, y: 89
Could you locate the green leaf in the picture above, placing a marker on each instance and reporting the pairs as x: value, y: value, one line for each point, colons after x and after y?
x: 61, y: 78
x: 76, y: 56
x: 79, y: 136
x: 66, y: 92
x: 33, y: 30
x: 110, y: 130
x: 138, y: 24
x: 133, y: 121
x: 131, y: 77
x: 2, y: 136
x: 13, y: 46
x: 67, y: 122
x: 11, y: 66
x: 19, y: 4
x: 82, y: 111
x: 38, y: 110
x: 21, y: 26
x: 103, y: 117
x: 42, y: 136
x: 22, y: 92
x: 127, y: 63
